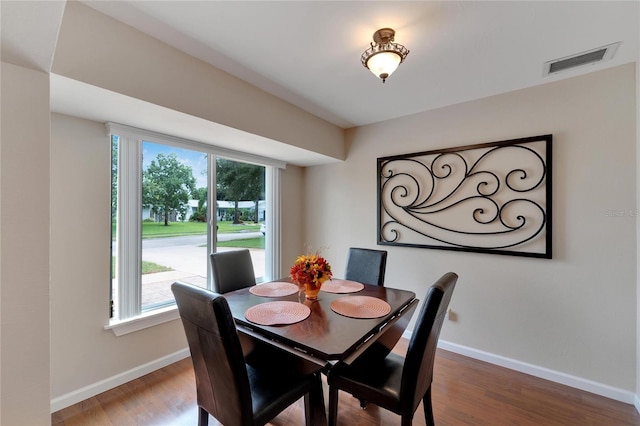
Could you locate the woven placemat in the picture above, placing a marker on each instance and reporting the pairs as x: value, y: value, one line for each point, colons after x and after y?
x: 274, y: 289
x: 277, y: 313
x: 360, y: 307
x: 341, y: 286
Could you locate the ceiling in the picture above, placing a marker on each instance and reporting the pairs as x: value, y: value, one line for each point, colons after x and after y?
x: 308, y: 53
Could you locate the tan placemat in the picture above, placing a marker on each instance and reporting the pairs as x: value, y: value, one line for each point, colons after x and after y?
x: 341, y: 286
x: 276, y: 313
x: 274, y: 289
x: 360, y: 307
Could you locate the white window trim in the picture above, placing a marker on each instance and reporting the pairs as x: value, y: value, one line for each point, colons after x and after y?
x: 131, y: 318
x: 130, y: 247
x: 272, y: 237
x: 142, y: 321
x: 148, y: 135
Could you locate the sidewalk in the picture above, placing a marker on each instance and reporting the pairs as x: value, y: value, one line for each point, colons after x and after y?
x: 189, y: 264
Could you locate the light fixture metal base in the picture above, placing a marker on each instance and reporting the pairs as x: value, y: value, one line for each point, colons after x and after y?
x: 384, y: 35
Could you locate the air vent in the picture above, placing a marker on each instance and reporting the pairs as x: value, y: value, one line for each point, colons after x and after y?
x: 600, y: 54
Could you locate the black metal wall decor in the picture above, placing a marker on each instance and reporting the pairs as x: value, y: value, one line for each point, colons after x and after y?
x: 489, y: 198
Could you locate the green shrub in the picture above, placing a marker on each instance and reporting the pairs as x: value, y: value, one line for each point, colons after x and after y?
x: 198, y: 217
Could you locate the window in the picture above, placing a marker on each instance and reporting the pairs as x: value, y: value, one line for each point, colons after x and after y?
x: 174, y: 202
x: 241, y: 210
x: 174, y: 221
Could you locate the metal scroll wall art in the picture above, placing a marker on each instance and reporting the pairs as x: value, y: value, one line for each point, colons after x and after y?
x: 488, y: 198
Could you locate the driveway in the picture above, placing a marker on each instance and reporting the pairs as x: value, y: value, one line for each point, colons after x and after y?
x: 189, y: 259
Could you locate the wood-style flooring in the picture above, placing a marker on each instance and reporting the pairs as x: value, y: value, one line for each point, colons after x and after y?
x: 465, y: 392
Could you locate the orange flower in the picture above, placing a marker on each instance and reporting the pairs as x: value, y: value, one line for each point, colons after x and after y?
x: 310, y: 268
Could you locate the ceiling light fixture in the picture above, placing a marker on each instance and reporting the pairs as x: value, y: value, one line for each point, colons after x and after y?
x: 384, y: 56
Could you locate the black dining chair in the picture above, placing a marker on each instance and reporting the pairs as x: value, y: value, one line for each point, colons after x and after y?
x: 366, y: 266
x: 232, y: 270
x: 397, y: 383
x: 233, y: 392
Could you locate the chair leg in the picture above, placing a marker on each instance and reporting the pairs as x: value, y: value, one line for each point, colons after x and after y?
x: 333, y: 405
x: 428, y: 408
x: 406, y: 420
x: 203, y: 417
x: 308, y: 410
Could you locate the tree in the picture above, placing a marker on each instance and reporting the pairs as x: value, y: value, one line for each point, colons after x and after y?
x: 167, y: 186
x: 254, y: 189
x: 238, y: 181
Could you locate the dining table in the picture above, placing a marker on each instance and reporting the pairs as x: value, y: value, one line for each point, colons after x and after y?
x: 347, y: 320
x: 326, y: 336
x: 334, y: 328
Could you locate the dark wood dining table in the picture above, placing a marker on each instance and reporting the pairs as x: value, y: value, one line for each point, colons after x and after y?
x: 326, y: 336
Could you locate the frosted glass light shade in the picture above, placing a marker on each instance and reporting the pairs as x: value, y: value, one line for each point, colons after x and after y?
x: 384, y: 56
x: 383, y: 64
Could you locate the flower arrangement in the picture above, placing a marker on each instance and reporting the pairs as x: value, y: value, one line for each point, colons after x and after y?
x: 311, y: 268
x: 309, y: 272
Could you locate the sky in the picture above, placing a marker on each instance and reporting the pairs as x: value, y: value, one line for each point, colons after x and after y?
x: 195, y: 159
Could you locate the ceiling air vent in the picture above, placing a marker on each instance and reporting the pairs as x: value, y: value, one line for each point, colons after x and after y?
x: 593, y: 56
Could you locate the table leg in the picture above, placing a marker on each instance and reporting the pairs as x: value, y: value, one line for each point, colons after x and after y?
x: 316, y: 399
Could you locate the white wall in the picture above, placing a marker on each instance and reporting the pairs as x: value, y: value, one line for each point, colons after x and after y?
x: 292, y: 217
x: 637, y: 398
x: 103, y: 52
x: 574, y: 314
x: 24, y: 247
x: 83, y: 354
x: 548, y: 313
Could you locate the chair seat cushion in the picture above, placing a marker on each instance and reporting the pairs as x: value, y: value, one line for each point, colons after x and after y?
x: 378, y: 383
x: 273, y: 391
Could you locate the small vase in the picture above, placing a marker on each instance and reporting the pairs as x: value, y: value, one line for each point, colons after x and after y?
x: 311, y: 290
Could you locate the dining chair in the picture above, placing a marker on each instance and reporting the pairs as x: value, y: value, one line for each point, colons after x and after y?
x: 366, y: 266
x: 232, y: 270
x: 397, y: 383
x: 233, y: 392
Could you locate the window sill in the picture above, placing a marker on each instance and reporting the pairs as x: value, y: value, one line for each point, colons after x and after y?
x: 149, y: 319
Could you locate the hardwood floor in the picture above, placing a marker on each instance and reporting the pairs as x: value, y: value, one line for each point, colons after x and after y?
x: 465, y: 392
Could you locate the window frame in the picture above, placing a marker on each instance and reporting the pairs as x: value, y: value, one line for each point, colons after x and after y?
x: 130, y: 316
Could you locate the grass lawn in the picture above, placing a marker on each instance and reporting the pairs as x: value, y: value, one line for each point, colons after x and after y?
x: 180, y: 229
x: 150, y: 268
x: 245, y: 243
x: 174, y: 229
x: 147, y: 268
x: 229, y: 228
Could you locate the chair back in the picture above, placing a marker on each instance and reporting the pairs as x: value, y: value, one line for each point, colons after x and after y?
x: 417, y: 373
x: 366, y: 266
x: 222, y: 383
x: 232, y: 270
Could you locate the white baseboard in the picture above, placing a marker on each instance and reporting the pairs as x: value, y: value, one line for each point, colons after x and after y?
x: 607, y: 391
x: 544, y: 373
x: 86, y: 392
